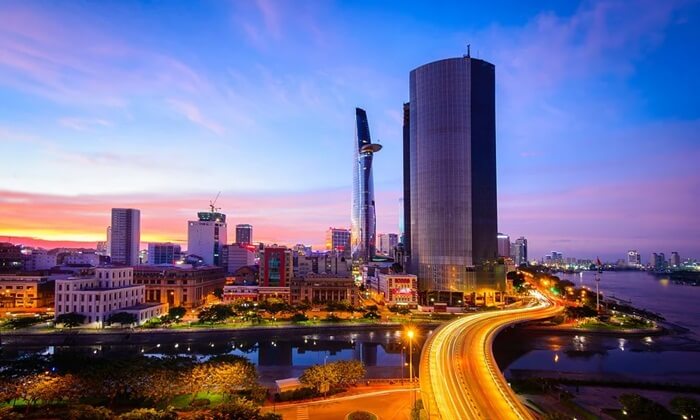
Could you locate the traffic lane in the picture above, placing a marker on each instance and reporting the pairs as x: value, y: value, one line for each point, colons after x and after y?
x: 392, y: 406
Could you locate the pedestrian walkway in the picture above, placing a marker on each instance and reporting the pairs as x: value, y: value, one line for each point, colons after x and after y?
x: 303, y: 413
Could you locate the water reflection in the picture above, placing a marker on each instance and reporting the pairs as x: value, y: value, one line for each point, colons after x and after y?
x: 384, y: 349
x: 660, y: 358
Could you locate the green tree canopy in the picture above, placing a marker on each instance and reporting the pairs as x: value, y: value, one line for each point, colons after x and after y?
x: 638, y: 407
x: 216, y: 313
x: 177, y: 312
x: 686, y: 406
x: 70, y: 319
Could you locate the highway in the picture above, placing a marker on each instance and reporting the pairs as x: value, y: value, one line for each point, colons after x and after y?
x: 459, y: 378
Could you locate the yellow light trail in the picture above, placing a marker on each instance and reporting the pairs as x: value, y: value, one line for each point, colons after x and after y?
x: 459, y: 377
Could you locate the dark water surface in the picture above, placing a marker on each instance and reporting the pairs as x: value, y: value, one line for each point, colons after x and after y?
x: 673, y: 358
x: 678, y: 303
x: 277, y: 353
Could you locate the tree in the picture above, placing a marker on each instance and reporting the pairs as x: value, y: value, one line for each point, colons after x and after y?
x: 686, y: 406
x: 239, y: 409
x: 88, y: 412
x: 371, y: 315
x: 334, y: 375
x: 299, y: 317
x: 319, y: 375
x: 274, y: 306
x: 219, y: 293
x: 638, y: 407
x: 48, y: 388
x: 70, y: 319
x: 216, y: 313
x: 177, y: 313
x: 148, y: 414
x: 303, y: 306
x: 123, y: 318
x: 332, y: 318
x: 349, y: 372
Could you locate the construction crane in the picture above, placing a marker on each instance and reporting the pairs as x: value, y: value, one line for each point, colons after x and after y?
x: 212, y: 204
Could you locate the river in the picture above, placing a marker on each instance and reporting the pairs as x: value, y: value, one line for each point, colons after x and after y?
x: 678, y: 303
x: 673, y: 358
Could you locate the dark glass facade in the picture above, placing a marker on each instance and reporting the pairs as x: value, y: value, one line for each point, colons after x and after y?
x: 451, y: 157
x: 406, y: 239
x: 244, y: 234
x: 363, y: 217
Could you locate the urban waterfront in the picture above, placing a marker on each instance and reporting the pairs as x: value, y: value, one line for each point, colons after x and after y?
x: 676, y: 302
x: 276, y: 354
x: 658, y: 358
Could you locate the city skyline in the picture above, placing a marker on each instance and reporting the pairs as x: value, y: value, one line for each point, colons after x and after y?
x: 573, y: 159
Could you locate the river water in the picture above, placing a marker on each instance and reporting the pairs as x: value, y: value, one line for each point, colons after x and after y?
x: 674, y: 358
x: 277, y: 353
x: 678, y: 303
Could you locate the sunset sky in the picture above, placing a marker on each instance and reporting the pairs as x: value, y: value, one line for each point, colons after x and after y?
x: 160, y: 105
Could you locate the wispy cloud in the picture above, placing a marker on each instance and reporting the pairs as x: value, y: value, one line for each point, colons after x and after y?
x: 194, y: 115
x: 83, y: 124
x: 62, y: 58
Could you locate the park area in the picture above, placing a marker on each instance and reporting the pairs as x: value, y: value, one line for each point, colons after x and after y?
x: 71, y: 385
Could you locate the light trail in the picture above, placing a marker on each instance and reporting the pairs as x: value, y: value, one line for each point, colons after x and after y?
x: 459, y: 377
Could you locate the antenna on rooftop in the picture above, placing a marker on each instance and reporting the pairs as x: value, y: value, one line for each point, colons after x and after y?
x: 469, y: 50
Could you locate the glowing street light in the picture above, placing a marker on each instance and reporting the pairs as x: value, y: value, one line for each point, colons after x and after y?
x: 410, y: 333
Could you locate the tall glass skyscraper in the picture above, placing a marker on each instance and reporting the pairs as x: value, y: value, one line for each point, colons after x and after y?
x: 363, y: 223
x: 452, y: 175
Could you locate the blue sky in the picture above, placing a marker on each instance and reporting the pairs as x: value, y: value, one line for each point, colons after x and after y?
x: 162, y: 104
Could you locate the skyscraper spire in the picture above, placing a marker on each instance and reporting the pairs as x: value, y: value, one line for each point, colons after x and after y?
x: 363, y: 217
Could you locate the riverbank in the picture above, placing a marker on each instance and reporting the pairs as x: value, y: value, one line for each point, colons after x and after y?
x: 143, y: 336
x: 573, y: 330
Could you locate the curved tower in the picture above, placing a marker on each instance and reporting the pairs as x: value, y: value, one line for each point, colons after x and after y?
x: 363, y: 217
x: 452, y: 155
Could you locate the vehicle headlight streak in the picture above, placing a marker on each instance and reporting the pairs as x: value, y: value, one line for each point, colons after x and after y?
x: 459, y: 376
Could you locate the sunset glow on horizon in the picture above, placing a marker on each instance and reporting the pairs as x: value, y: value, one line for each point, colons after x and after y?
x: 159, y: 106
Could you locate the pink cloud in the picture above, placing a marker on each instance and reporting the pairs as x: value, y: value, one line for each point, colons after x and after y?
x: 285, y: 218
x: 607, y: 218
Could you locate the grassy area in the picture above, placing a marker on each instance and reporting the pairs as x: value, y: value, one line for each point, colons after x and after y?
x: 581, y: 413
x: 182, y: 402
x: 615, y: 324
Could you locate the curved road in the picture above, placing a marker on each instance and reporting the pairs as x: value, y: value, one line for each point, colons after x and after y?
x: 459, y: 378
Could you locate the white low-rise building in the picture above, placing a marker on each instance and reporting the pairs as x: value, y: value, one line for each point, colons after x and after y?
x: 108, y: 291
x: 398, y: 289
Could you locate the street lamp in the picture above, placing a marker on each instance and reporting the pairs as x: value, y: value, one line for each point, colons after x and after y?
x: 410, y: 333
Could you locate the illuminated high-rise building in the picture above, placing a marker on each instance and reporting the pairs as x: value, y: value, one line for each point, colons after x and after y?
x: 503, y: 241
x: 634, y: 259
x: 338, y: 239
x: 675, y: 260
x: 244, y: 234
x: 276, y: 267
x: 163, y: 253
x: 519, y: 251
x: 452, y: 176
x: 125, y: 236
x: 363, y: 213
x: 207, y: 236
x: 387, y: 243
